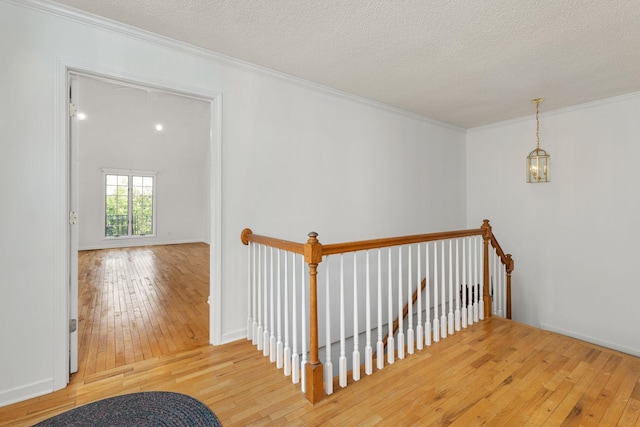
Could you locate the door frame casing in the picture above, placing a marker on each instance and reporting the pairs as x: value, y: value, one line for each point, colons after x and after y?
x: 62, y: 245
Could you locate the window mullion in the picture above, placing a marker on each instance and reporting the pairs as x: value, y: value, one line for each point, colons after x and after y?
x: 130, y: 201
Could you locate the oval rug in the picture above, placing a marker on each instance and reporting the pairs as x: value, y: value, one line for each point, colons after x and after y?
x: 154, y: 408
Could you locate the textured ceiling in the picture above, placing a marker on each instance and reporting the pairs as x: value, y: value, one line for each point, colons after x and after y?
x: 462, y: 62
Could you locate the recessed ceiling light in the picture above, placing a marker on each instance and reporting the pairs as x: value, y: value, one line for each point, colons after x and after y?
x: 159, y: 127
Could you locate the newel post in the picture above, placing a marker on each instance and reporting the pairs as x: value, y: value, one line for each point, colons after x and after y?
x: 314, y: 370
x: 509, y: 270
x: 486, y: 236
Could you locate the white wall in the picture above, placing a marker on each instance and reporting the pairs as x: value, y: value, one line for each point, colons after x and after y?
x: 575, y: 239
x: 119, y: 133
x: 295, y: 158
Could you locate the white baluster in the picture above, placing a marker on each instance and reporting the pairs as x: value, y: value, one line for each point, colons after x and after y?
x: 303, y: 325
x: 443, y: 319
x: 287, y: 350
x: 419, y: 328
x: 436, y: 319
x: 368, y: 351
x: 410, y: 337
x: 295, y: 357
x: 499, y: 287
x: 260, y: 335
x: 476, y: 282
x: 464, y: 285
x: 481, y: 283
x: 249, y: 293
x: 390, y: 341
x: 328, y: 365
x: 379, y: 344
x: 471, y: 286
x: 427, y: 291
x: 493, y: 279
x: 356, y: 332
x: 279, y: 343
x: 272, y: 337
x: 400, y: 301
x: 256, y: 273
x: 457, y: 313
x: 450, y: 314
x: 343, y: 339
x: 265, y: 334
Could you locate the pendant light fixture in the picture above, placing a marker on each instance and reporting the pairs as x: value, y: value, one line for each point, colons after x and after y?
x: 538, y: 160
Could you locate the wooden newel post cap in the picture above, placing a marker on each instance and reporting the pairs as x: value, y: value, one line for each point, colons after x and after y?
x: 313, y: 249
x: 244, y: 236
x: 487, y: 228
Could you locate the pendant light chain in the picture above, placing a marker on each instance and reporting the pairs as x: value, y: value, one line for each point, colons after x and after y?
x: 537, y: 125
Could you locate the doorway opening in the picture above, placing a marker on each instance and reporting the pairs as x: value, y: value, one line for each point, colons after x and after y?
x: 143, y: 295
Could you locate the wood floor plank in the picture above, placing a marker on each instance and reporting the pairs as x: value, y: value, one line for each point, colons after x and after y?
x: 495, y: 373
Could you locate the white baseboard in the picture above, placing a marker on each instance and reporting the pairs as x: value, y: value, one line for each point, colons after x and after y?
x: 18, y: 394
x: 233, y: 336
x: 130, y: 243
x: 603, y: 343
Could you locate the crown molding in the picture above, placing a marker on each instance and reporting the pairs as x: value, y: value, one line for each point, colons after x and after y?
x: 56, y: 9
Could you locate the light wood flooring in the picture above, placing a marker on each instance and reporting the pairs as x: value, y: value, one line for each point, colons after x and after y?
x: 496, y: 373
x: 139, y: 303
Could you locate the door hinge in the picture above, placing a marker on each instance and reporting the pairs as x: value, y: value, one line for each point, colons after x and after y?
x: 73, y: 217
x: 73, y: 325
x: 73, y: 110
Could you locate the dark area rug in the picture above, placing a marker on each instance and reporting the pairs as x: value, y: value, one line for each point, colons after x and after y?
x: 155, y: 408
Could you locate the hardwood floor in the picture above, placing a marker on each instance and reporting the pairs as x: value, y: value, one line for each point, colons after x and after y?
x: 497, y: 373
x: 139, y: 303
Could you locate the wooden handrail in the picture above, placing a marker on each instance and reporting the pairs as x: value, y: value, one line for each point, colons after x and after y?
x: 247, y: 236
x: 339, y: 248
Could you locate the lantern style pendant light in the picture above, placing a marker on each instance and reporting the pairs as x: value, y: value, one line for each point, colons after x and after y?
x: 538, y: 161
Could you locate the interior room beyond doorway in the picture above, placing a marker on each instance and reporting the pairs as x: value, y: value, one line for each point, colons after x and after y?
x: 141, y: 303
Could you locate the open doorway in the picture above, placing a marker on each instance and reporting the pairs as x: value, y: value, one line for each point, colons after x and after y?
x: 134, y: 275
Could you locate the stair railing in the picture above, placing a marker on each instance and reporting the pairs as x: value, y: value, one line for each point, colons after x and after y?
x: 283, y: 283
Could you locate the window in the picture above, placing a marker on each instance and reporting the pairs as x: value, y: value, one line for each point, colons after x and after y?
x: 129, y: 203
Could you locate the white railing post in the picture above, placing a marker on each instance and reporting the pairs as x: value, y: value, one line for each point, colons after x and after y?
x: 379, y: 344
x: 249, y: 294
x: 343, y: 344
x: 260, y: 330
x: 450, y: 313
x: 265, y: 334
x: 436, y: 319
x: 400, y: 320
x: 328, y: 366
x: 356, y: 332
x: 368, y: 351
x: 465, y: 284
x: 470, y: 286
x: 410, y: 337
x: 295, y: 357
x: 279, y: 344
x: 476, y: 283
x: 419, y: 328
x: 272, y: 336
x: 390, y: 341
x: 427, y: 291
x: 287, y: 350
x: 458, y: 286
x: 443, y: 319
x: 303, y: 326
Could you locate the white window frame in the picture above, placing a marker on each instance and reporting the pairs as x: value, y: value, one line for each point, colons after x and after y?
x: 130, y: 173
